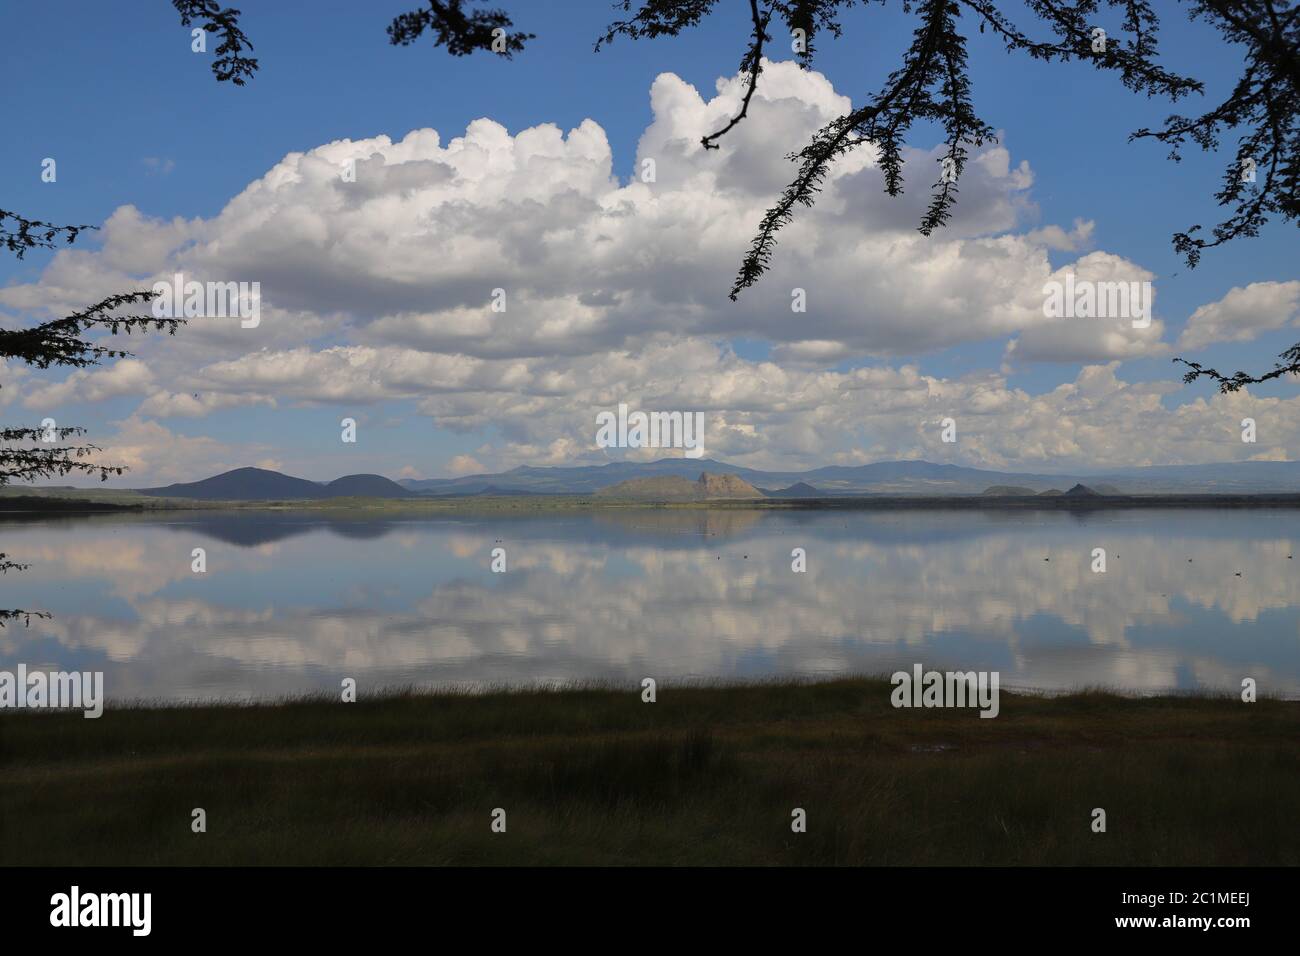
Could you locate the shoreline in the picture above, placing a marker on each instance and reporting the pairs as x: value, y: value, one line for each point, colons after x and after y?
x: 481, y: 690
x: 129, y: 503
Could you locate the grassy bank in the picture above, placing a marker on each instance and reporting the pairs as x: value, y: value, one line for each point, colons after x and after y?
x: 706, y: 775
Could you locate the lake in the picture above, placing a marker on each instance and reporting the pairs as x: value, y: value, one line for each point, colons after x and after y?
x: 296, y: 601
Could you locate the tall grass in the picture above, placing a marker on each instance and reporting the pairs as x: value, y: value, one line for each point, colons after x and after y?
x: 707, y: 775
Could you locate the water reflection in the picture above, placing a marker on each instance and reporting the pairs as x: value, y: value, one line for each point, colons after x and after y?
x: 297, y: 601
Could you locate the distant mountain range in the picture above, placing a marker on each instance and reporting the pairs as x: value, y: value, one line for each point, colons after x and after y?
x: 1078, y: 491
x: 881, y: 478
x: 259, y: 484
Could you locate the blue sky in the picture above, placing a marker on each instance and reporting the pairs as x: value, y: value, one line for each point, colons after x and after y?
x: 134, y: 118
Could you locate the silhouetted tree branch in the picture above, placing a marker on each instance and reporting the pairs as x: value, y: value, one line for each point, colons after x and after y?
x: 1265, y: 102
x: 12, y: 614
x: 57, y: 343
x: 1290, y: 364
x: 1265, y: 99
x: 935, y: 64
x: 751, y: 64
x: 229, y: 64
x: 32, y: 454
x: 19, y: 234
x: 933, y: 84
x: 460, y: 32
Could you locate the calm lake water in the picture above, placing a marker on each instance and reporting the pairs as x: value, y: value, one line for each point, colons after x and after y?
x: 296, y: 602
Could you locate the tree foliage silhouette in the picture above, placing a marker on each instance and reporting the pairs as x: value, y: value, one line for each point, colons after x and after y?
x: 229, y: 65
x: 461, y: 32
x: 932, y: 83
x: 30, y: 454
x: 1290, y: 365
x: 19, y: 235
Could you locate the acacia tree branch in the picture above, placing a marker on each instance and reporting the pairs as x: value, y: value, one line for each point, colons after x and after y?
x: 934, y: 85
x: 30, y: 454
x: 57, y: 342
x: 656, y: 18
x: 229, y: 64
x: 32, y: 464
x: 17, y: 614
x: 753, y: 63
x: 1273, y: 42
x: 25, y: 234
x: 846, y: 132
x: 460, y: 32
x: 14, y: 614
x: 1266, y: 101
x: 1290, y: 365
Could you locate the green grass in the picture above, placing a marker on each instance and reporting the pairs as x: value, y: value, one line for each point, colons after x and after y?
x: 707, y: 775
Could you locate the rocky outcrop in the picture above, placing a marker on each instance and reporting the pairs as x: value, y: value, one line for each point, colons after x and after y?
x: 725, y: 486
x: 674, y: 488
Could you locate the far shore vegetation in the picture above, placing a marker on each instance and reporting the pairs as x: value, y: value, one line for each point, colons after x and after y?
x: 63, y: 500
x: 707, y: 774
